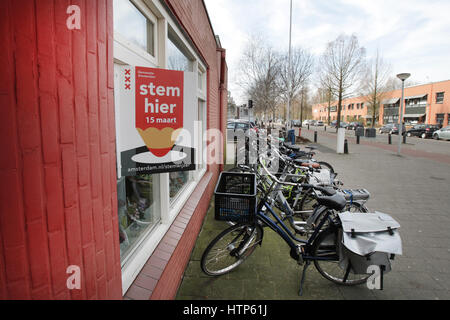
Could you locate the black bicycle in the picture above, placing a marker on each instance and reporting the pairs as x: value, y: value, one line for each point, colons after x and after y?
x: 235, y: 244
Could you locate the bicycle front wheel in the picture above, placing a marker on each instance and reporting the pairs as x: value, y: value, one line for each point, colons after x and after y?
x: 325, y: 247
x: 230, y: 248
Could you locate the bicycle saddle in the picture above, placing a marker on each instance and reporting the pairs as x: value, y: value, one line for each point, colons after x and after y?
x: 292, y: 147
x: 302, y: 163
x: 336, y: 201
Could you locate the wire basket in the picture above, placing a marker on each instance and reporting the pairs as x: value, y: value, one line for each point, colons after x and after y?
x: 235, y: 197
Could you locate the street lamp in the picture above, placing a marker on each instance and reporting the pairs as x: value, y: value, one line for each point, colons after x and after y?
x: 403, y: 77
x: 289, y: 71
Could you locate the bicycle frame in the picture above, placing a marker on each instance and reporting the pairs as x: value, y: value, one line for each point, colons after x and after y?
x: 288, y: 236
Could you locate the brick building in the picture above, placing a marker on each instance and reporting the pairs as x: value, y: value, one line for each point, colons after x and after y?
x: 428, y: 103
x: 62, y: 202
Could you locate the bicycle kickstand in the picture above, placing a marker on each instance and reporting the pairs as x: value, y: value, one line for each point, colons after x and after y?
x: 302, y: 281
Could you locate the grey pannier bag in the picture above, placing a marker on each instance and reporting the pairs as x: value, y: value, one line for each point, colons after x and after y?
x: 368, y: 239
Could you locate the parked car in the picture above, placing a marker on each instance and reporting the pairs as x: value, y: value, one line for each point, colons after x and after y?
x: 386, y: 128
x: 394, y: 129
x: 295, y: 123
x: 312, y: 122
x: 239, y: 124
x: 443, y: 133
x: 391, y: 128
x: 334, y: 124
x: 422, y: 130
x: 305, y: 122
x: 319, y: 123
x: 354, y: 125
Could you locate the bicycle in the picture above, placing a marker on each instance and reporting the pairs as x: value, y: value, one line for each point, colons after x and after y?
x: 235, y: 244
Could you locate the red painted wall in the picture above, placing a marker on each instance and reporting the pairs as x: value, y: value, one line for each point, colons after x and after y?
x: 58, y: 202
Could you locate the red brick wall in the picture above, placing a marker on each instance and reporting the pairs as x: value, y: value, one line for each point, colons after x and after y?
x: 58, y: 203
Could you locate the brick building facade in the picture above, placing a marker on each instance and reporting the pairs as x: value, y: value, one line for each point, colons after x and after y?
x: 59, y: 183
x: 428, y: 103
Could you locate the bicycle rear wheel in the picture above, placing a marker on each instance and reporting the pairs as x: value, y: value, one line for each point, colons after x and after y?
x: 325, y: 246
x: 326, y: 165
x: 230, y: 248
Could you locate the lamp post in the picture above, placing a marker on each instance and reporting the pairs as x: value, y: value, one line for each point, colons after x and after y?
x: 403, y: 77
x: 289, y: 72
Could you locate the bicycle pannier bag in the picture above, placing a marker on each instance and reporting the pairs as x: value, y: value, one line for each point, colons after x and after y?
x: 368, y: 239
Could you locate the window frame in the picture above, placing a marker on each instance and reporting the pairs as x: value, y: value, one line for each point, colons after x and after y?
x: 443, y: 96
x: 127, y: 45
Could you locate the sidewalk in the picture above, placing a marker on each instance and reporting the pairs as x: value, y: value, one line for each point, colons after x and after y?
x: 412, y: 189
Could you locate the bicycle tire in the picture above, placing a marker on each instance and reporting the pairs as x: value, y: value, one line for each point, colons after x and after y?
x: 239, y: 235
x: 356, y: 207
x: 308, y: 202
x: 325, y: 245
x: 326, y: 165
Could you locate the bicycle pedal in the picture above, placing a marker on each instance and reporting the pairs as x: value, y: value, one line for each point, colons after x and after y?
x: 300, y: 260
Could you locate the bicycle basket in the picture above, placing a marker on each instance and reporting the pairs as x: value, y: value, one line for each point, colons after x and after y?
x: 235, y: 197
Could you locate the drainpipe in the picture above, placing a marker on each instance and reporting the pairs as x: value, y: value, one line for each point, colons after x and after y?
x: 222, y: 92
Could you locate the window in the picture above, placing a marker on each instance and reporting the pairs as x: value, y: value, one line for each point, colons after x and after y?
x: 440, y: 118
x: 148, y: 204
x: 230, y: 125
x: 177, y: 60
x: 242, y: 126
x: 139, y: 210
x: 448, y: 118
x: 134, y: 26
x: 440, y: 97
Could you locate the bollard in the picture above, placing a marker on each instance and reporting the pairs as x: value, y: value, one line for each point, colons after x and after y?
x: 404, y: 138
x: 235, y: 150
x: 315, y: 136
x: 345, y: 146
x: 308, y: 126
x: 389, y: 138
x: 357, y: 139
x: 325, y: 128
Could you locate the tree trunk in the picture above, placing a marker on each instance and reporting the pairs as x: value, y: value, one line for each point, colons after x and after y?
x: 338, y: 125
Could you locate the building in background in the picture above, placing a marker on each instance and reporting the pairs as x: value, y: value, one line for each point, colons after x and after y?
x: 62, y: 202
x: 428, y: 103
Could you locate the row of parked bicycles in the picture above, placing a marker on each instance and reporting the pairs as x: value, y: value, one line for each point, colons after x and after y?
x: 302, y: 201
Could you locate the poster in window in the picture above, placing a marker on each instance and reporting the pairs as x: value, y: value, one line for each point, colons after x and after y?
x: 155, y: 113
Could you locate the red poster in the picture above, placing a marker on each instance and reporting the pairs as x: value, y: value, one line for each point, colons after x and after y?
x: 159, y: 108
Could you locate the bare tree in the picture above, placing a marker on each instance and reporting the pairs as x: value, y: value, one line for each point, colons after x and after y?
x: 232, y: 107
x: 326, y: 92
x: 293, y: 80
x: 259, y: 72
x: 375, y: 84
x: 341, y: 66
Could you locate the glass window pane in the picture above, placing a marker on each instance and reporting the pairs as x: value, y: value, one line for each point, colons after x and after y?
x: 133, y: 25
x: 176, y: 60
x: 139, y: 209
x: 177, y: 180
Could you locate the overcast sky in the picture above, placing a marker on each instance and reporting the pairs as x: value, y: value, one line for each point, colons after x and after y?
x: 412, y: 35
